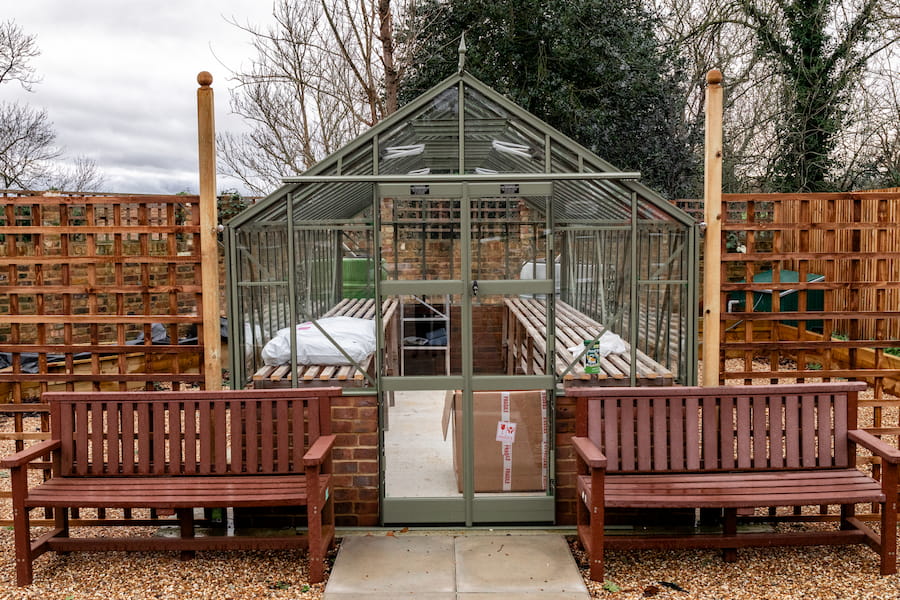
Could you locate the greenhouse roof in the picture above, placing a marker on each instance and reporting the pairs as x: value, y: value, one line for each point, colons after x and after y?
x: 461, y: 130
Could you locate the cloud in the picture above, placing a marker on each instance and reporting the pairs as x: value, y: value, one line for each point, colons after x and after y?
x: 119, y: 81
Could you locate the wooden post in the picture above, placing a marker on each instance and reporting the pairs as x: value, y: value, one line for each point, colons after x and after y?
x: 209, y: 246
x: 712, y: 241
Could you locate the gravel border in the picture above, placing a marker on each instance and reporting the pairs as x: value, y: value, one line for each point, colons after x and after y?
x: 839, y: 573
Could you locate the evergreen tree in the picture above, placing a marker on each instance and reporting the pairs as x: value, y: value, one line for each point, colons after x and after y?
x: 594, y: 70
x: 818, y: 69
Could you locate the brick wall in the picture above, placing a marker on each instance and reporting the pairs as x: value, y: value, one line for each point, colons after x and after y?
x: 566, y: 495
x: 356, y: 488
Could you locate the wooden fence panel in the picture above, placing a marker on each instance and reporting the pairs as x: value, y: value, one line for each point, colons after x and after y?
x: 811, y: 283
x: 87, y: 284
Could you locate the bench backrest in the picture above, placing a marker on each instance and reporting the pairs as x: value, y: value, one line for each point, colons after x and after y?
x: 765, y: 427
x: 188, y: 433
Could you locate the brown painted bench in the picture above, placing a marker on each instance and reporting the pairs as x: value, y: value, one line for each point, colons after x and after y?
x: 180, y: 450
x: 729, y: 448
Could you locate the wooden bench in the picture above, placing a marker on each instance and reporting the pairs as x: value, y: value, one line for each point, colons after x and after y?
x: 525, y: 329
x: 180, y: 450
x: 346, y: 375
x: 729, y: 448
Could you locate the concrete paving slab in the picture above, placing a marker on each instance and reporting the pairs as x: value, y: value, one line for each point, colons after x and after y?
x: 393, y: 596
x: 522, y: 596
x: 455, y: 567
x: 393, y: 565
x: 535, y: 564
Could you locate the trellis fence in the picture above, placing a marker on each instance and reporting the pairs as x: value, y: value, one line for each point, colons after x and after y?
x: 811, y: 289
x: 96, y: 292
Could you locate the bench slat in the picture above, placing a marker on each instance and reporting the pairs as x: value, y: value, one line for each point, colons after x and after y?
x: 206, y: 441
x: 95, y: 439
x: 753, y: 490
x: 128, y: 438
x: 172, y: 492
x: 266, y: 438
x: 190, y: 438
x: 81, y: 440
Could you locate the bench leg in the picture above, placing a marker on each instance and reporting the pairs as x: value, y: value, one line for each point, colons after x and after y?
x: 314, y: 510
x: 888, y: 546
x: 591, y: 520
x: 21, y: 526
x: 729, y: 527
x: 848, y: 511
x: 186, y: 523
x: 61, y: 521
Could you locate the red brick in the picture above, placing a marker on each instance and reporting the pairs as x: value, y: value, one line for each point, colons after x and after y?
x: 346, y: 440
x: 367, y: 467
x: 342, y: 426
x: 339, y: 453
x: 345, y: 494
x: 366, y: 453
x: 340, y: 412
x: 368, y: 439
x: 365, y: 481
x: 346, y: 466
x: 368, y: 495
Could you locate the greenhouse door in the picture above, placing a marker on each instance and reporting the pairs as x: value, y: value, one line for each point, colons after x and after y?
x: 466, y: 439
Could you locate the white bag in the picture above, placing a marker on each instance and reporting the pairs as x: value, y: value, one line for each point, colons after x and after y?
x: 609, y: 343
x: 355, y: 336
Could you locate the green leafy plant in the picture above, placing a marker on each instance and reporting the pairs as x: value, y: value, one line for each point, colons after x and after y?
x: 611, y: 587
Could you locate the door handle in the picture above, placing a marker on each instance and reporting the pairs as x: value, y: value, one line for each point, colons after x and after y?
x: 475, y: 288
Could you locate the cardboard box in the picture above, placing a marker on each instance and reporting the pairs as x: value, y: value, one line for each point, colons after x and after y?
x: 511, y: 440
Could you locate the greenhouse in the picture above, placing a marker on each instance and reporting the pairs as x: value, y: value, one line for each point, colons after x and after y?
x: 463, y: 263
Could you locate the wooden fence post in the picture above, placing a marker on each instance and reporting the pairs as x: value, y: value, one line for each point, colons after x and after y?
x: 209, y: 245
x: 712, y: 241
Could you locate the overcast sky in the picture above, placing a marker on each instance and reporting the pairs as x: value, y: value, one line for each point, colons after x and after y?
x: 119, y: 80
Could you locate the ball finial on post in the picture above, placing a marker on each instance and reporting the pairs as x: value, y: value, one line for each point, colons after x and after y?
x: 714, y: 77
x: 204, y: 78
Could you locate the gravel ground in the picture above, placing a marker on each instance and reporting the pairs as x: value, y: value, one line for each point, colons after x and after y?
x: 239, y: 575
x: 842, y: 572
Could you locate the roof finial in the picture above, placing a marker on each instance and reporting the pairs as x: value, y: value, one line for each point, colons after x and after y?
x: 462, y: 52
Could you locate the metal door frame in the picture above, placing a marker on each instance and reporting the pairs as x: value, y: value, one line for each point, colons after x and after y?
x: 469, y: 509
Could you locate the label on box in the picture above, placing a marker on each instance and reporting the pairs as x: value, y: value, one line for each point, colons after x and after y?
x: 506, y: 432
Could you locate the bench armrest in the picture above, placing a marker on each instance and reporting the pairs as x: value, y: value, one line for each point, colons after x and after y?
x: 29, y: 454
x: 589, y: 452
x: 882, y: 449
x: 319, y: 451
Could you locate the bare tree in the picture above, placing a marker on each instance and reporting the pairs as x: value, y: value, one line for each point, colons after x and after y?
x: 26, y: 145
x: 28, y: 149
x: 324, y: 72
x: 16, y: 50
x: 81, y: 175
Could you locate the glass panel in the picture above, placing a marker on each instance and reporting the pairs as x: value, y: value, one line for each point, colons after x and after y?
x: 428, y: 334
x: 508, y: 238
x: 662, y: 294
x: 263, y: 298
x: 422, y: 446
x: 510, y: 335
x: 511, y: 443
x: 427, y: 143
x: 595, y: 288
x: 497, y: 141
x: 420, y: 237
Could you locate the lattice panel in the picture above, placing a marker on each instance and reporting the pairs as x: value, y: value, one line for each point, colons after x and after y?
x: 812, y: 282
x: 97, y: 293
